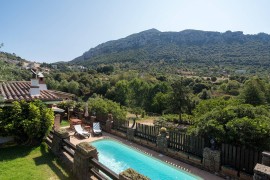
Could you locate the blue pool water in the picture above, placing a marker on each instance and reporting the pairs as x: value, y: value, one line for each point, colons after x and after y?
x: 118, y: 157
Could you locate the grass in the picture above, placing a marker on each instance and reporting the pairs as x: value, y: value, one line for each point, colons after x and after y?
x: 25, y: 162
x: 64, y: 123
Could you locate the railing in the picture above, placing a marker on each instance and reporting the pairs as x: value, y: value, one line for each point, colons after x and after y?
x: 182, y: 142
x: 49, y: 138
x: 147, y: 132
x: 68, y: 147
x: 240, y: 158
x: 97, y: 166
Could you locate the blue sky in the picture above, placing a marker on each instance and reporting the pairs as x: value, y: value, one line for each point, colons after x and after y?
x: 60, y: 30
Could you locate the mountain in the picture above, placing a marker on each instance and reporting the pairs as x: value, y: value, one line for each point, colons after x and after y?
x: 189, y: 47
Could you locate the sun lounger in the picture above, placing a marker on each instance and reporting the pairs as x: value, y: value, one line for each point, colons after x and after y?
x: 96, y: 128
x: 79, y: 130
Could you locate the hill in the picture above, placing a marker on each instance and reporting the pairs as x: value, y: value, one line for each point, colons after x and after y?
x: 191, y: 48
x: 11, y: 68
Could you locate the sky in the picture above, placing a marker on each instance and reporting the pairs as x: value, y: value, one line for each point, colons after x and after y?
x: 61, y: 30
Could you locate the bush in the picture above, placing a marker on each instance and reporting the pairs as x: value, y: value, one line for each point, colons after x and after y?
x: 163, y: 130
x: 232, y: 122
x: 26, y: 121
x: 104, y: 106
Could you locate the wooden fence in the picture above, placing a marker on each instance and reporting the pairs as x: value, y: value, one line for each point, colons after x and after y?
x: 147, y: 132
x: 240, y: 158
x: 180, y: 141
x: 120, y: 125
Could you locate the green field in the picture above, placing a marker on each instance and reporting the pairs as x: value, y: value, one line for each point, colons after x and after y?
x: 25, y: 162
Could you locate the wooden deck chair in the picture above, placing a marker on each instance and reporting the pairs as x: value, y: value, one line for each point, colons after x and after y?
x: 96, y: 128
x: 79, y: 130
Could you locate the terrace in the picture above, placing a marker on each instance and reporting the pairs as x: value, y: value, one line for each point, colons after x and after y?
x: 166, y: 159
x: 181, y: 150
x: 76, y: 140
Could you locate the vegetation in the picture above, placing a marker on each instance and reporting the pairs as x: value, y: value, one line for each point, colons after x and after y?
x: 203, y: 81
x: 9, y: 68
x: 28, y: 122
x: 27, y: 162
x: 233, y: 122
x: 201, y: 52
x: 103, y: 107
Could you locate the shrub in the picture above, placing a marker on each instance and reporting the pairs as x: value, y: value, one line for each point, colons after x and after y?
x: 104, y: 106
x: 232, y: 122
x: 163, y: 130
x: 26, y: 121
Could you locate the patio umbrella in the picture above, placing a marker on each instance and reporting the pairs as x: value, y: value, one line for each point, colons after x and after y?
x: 56, y: 109
x: 86, y: 114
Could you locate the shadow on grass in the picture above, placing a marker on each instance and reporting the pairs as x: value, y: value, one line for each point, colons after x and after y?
x: 14, y: 152
x: 48, y: 158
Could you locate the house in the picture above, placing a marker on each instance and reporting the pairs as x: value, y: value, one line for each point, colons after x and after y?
x: 31, y: 90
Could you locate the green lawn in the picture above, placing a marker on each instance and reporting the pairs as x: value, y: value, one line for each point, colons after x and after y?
x: 25, y: 162
x: 64, y: 123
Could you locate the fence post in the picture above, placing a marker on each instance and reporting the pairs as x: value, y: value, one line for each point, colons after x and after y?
x: 211, y: 159
x: 56, y: 125
x: 58, y: 137
x: 266, y: 158
x: 81, y: 166
x: 129, y: 174
x: 162, y: 142
x: 262, y: 171
x: 130, y: 134
x: 109, y: 122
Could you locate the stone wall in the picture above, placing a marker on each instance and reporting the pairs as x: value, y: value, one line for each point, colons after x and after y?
x: 56, y: 125
x: 211, y: 159
x: 262, y: 171
x: 130, y: 174
x: 162, y: 142
x: 81, y: 166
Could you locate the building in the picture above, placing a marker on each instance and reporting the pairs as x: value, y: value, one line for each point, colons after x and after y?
x: 31, y: 90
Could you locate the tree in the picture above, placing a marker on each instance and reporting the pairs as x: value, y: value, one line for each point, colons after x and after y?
x: 254, y: 92
x: 104, y: 106
x: 139, y: 90
x: 121, y: 92
x: 230, y: 121
x: 205, y: 94
x: 198, y: 87
x: 73, y: 87
x: 160, y: 102
x: 28, y: 122
x: 179, y: 98
x: 213, y: 78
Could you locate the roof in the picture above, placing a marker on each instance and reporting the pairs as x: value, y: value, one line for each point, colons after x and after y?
x: 20, y: 90
x: 60, y: 93
x: 40, y: 74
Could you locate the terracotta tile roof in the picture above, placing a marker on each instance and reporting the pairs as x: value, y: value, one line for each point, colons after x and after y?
x: 20, y: 90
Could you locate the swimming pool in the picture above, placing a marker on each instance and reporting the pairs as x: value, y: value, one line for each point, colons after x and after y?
x: 118, y: 157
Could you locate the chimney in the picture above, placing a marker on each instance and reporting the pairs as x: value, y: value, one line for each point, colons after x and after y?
x: 34, y: 88
x: 41, y: 80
